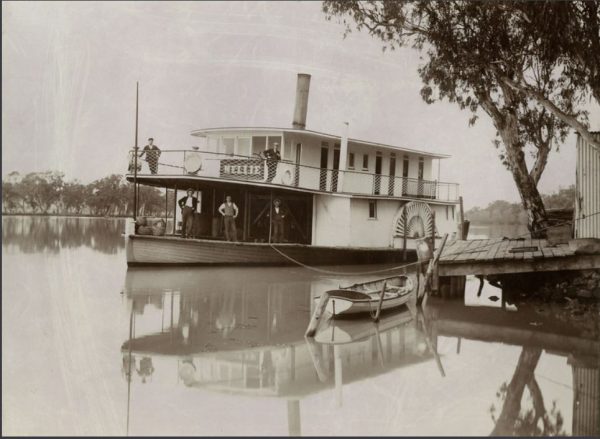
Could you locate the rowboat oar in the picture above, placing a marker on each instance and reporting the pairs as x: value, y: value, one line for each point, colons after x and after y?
x: 315, y: 319
x: 430, y: 344
x: 430, y: 269
x: 315, y: 355
x: 379, y: 345
x: 376, y: 318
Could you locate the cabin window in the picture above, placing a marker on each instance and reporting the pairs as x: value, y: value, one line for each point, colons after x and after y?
x: 212, y: 144
x: 405, y: 166
x: 421, y: 168
x: 259, y: 144
x: 228, y: 145
x: 244, y: 146
x: 275, y: 140
x: 447, y: 216
x: 351, y: 160
x: 365, y: 162
x: 289, y: 152
x: 372, y: 209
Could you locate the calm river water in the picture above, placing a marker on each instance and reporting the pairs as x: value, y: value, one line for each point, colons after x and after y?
x: 90, y: 347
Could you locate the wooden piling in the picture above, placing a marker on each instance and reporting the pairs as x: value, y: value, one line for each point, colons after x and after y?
x: 432, y: 263
x: 433, y: 230
x: 315, y: 319
x: 462, y: 218
x: 404, y: 234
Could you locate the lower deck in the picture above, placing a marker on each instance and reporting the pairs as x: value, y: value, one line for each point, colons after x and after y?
x: 173, y: 250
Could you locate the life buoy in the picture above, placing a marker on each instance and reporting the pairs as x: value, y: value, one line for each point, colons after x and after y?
x: 285, y: 174
x: 192, y: 162
x: 287, y: 177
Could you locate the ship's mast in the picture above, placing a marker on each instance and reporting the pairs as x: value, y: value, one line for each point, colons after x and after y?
x: 135, y: 152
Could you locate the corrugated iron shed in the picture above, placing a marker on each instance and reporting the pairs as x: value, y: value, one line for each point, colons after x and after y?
x: 587, y: 189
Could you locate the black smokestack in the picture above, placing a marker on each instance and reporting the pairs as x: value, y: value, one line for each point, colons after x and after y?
x: 302, y: 88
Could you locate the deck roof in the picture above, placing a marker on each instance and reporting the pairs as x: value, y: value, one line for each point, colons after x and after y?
x: 203, y: 132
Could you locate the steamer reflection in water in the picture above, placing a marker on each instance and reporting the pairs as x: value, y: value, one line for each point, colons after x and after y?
x: 240, y: 331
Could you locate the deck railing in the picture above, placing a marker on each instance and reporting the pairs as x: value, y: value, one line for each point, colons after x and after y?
x: 288, y: 174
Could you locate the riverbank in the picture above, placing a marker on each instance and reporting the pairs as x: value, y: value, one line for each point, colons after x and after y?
x: 76, y: 215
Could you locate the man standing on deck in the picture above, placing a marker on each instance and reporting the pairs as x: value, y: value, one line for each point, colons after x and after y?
x: 230, y: 212
x: 152, y: 154
x: 278, y: 221
x: 188, y: 205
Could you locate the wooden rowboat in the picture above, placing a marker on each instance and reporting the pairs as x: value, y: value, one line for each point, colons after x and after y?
x: 364, y: 297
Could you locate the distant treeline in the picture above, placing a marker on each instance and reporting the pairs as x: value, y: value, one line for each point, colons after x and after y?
x: 49, y: 193
x: 503, y: 212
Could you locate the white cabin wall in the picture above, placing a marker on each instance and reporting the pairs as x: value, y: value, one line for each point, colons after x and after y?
x: 331, y: 221
x: 428, y: 169
x: 413, y: 167
x: 445, y: 221
x: 367, y: 232
x: 311, y: 150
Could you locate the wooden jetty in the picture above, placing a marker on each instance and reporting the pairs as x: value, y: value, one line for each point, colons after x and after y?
x: 505, y: 256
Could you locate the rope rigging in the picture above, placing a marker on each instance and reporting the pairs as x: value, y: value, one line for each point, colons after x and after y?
x: 399, y: 267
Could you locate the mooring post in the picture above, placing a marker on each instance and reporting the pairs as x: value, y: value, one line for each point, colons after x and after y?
x: 462, y: 218
x: 433, y: 230
x: 404, y: 233
x: 430, y: 269
x: 315, y: 319
x: 175, y: 211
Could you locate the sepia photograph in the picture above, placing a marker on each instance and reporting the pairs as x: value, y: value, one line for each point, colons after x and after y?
x: 301, y: 218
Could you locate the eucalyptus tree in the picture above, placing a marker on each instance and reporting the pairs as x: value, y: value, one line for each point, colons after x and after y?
x: 505, y: 58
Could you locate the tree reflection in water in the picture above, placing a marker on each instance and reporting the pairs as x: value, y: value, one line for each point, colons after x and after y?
x: 535, y: 421
x: 31, y: 234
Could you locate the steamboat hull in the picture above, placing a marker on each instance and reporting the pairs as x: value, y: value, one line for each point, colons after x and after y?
x: 146, y: 250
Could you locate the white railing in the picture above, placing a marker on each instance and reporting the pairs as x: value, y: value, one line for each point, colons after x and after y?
x: 288, y: 174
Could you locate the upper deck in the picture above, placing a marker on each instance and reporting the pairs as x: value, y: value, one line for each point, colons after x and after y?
x: 309, y: 162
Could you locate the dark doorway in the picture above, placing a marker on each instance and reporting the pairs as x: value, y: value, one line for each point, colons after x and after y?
x: 298, y: 217
x: 377, y: 176
x: 420, y: 176
x: 336, y: 167
x: 405, y: 166
x: 298, y: 156
x: 392, y: 182
x: 324, y: 162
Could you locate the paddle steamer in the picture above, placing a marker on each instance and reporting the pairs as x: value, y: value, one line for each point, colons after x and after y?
x: 347, y: 201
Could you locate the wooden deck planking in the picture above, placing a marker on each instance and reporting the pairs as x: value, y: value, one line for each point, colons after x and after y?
x: 519, y: 244
x: 538, y: 253
x: 495, y: 257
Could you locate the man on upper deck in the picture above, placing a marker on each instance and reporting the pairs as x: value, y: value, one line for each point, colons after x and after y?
x: 152, y: 154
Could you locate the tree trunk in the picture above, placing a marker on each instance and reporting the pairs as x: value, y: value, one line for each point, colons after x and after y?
x: 507, y: 124
x: 523, y: 375
x: 530, y: 196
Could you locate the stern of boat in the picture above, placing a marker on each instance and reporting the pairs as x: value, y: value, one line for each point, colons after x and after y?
x: 128, y: 232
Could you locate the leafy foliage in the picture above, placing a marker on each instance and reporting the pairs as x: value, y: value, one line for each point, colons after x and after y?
x: 503, y: 212
x: 48, y: 192
x: 504, y: 58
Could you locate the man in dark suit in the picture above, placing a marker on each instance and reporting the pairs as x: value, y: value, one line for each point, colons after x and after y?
x: 152, y: 155
x: 188, y: 206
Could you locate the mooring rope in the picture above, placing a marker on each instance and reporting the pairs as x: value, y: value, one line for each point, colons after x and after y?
x: 353, y: 273
x: 362, y: 273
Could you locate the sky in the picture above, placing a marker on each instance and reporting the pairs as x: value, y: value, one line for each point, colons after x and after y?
x: 69, y: 72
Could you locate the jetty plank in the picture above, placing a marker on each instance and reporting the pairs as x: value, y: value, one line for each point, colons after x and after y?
x: 493, y: 256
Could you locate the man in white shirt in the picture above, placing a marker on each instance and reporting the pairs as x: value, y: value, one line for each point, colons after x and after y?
x: 229, y: 211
